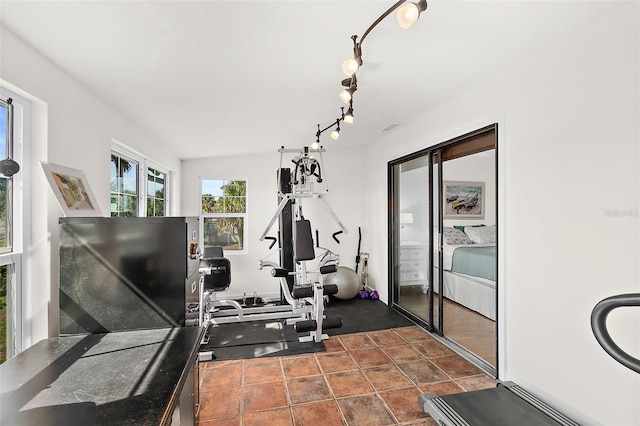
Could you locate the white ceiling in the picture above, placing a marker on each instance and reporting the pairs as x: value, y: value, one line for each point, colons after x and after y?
x: 212, y: 78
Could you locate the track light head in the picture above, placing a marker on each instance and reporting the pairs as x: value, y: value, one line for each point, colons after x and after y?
x: 335, y: 134
x: 350, y: 66
x: 409, y: 13
x: 347, y: 94
x: 348, y: 117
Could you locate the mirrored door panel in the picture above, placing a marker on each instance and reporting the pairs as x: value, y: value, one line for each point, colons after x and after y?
x: 412, y: 223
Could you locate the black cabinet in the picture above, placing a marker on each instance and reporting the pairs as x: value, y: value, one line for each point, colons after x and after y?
x: 126, y: 273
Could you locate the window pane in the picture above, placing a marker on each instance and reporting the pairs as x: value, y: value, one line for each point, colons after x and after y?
x: 235, y: 188
x: 212, y: 204
x: 130, y: 205
x: 151, y: 188
x: 226, y: 232
x: 159, y: 208
x: 212, y: 188
x: 235, y: 204
x: 129, y: 171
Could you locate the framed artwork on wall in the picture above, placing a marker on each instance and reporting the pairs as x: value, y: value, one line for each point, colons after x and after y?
x: 72, y: 190
x: 463, y: 200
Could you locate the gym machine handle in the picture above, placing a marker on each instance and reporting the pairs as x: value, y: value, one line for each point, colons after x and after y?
x: 599, y: 327
x: 335, y: 235
x: 274, y: 240
x: 328, y: 269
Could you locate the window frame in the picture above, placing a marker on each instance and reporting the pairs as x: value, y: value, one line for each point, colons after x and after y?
x: 144, y: 164
x: 245, y: 216
x: 17, y: 337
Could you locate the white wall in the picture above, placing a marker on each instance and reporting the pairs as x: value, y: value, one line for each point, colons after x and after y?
x: 569, y: 154
x: 344, y: 173
x: 73, y: 128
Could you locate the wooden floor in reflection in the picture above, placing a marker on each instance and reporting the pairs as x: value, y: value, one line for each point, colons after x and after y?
x: 467, y: 328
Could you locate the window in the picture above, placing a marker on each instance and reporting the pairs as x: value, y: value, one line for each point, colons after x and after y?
x: 124, y: 186
x: 14, y: 116
x: 127, y: 179
x: 223, y: 214
x: 156, y: 192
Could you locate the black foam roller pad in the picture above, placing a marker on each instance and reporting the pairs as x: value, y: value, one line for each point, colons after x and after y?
x: 302, y: 326
x: 300, y: 292
x: 330, y: 289
x: 328, y: 269
x: 331, y: 322
x: 279, y: 272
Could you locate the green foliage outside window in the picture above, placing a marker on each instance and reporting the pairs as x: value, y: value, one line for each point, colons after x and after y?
x: 225, y: 198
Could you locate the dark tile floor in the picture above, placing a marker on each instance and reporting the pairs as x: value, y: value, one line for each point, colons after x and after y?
x: 367, y: 378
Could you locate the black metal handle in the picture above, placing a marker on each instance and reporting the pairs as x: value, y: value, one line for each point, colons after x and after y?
x: 273, y: 241
x: 335, y: 236
x: 599, y: 327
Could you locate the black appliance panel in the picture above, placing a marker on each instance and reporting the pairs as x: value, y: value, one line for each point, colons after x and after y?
x: 124, y: 273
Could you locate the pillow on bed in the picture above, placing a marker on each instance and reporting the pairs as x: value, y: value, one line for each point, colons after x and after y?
x: 461, y: 227
x: 481, y: 234
x: 455, y: 236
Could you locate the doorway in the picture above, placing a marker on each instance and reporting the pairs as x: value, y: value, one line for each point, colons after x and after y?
x: 443, y: 245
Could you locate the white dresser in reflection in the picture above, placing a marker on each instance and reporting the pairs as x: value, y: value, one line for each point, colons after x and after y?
x: 413, y: 264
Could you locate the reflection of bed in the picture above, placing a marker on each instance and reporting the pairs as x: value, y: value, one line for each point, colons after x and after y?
x: 469, y: 276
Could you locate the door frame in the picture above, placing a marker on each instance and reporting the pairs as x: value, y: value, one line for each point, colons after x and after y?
x: 393, y: 244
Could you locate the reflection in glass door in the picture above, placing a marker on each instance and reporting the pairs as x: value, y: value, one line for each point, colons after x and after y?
x: 443, y: 241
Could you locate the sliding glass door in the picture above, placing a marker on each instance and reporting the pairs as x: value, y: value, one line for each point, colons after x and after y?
x: 443, y: 241
x: 412, y: 265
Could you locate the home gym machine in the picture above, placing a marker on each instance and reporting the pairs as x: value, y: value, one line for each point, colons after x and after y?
x: 296, y: 245
x: 301, y: 301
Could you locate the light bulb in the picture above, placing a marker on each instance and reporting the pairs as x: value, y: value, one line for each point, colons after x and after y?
x: 345, y: 96
x: 407, y: 15
x: 350, y: 66
x: 315, y: 145
x: 348, y: 118
x: 335, y: 135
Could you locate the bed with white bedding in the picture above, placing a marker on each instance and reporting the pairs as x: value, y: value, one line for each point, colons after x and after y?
x: 469, y: 270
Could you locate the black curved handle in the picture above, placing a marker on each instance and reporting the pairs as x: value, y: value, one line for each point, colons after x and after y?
x: 599, y: 327
x: 335, y: 235
x: 273, y: 241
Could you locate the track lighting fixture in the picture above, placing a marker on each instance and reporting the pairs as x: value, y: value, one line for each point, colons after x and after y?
x: 407, y: 14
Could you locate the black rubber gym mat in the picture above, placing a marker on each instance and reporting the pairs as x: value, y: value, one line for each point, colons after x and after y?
x: 274, y: 338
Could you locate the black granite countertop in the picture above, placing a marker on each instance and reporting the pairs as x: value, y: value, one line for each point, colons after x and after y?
x: 123, y: 378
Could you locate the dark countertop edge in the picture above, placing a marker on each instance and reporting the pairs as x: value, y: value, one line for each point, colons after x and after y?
x: 167, y: 416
